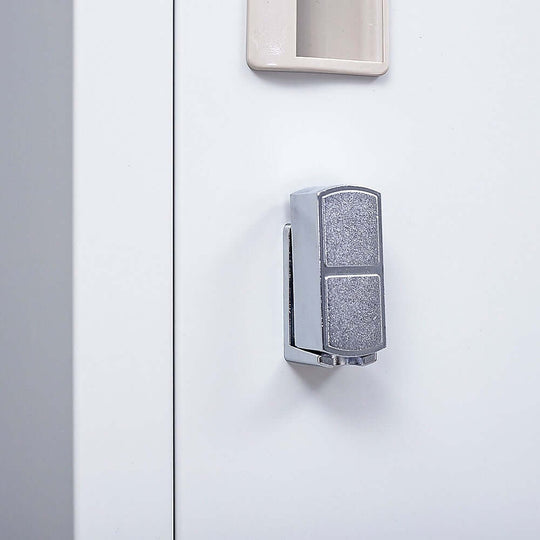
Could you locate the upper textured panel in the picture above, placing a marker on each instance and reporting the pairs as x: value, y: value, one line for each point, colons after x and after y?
x: 350, y: 224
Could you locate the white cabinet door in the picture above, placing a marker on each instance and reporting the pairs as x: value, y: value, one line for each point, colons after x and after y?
x: 123, y: 387
x: 441, y: 437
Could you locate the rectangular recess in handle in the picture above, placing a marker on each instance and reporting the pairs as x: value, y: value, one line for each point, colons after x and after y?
x: 319, y: 36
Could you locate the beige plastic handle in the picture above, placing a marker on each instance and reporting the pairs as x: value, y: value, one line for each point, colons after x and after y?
x: 324, y: 36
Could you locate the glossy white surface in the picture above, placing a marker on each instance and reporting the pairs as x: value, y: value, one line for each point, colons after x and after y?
x: 440, y: 438
x: 123, y: 269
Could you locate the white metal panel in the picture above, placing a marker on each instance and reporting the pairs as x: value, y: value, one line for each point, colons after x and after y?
x: 123, y: 269
x: 440, y: 438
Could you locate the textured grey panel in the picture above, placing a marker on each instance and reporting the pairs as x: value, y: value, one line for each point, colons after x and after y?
x: 354, y: 312
x: 350, y: 229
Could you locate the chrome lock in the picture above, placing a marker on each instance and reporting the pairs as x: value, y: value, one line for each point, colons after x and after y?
x: 333, y: 277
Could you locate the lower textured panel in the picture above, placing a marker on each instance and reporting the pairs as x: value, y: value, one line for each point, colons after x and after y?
x: 354, y: 308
